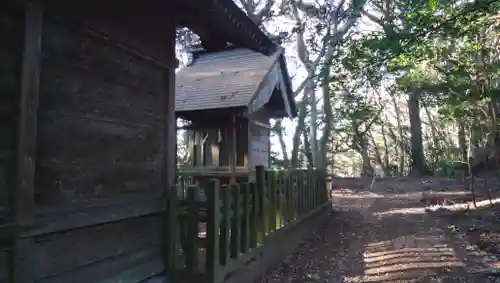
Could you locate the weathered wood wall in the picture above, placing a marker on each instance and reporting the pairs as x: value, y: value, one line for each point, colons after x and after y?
x: 11, y: 46
x: 97, y: 177
x: 99, y: 137
x: 259, y: 137
x: 214, y: 154
x: 100, y: 114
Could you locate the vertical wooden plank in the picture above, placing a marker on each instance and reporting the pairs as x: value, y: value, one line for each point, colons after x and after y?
x: 304, y: 191
x: 318, y: 189
x: 279, y: 198
x: 170, y: 233
x: 295, y: 194
x: 198, y: 154
x: 245, y: 225
x: 253, y: 216
x: 24, y: 195
x: 236, y: 222
x: 325, y: 191
x: 22, y: 261
x: 214, y: 147
x: 192, y: 256
x: 232, y: 156
x: 288, y: 202
x: 309, y: 189
x: 272, y: 211
x: 303, y: 177
x: 261, y: 193
x: 213, y: 223
x: 169, y: 158
x: 224, y: 233
x: 30, y: 81
x: 305, y: 187
x: 315, y: 196
x: 298, y: 196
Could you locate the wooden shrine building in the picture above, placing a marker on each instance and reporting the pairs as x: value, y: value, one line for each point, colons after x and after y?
x: 87, y: 131
x: 228, y: 97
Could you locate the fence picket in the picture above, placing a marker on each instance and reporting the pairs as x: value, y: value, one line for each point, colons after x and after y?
x: 236, y: 223
x: 273, y: 201
x: 192, y: 257
x: 224, y: 230
x: 245, y: 227
x: 212, y: 191
x: 239, y: 218
x: 254, y: 216
x: 262, y: 224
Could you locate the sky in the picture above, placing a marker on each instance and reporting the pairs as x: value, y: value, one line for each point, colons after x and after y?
x: 295, y: 69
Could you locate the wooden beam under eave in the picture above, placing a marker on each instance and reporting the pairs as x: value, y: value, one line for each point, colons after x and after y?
x: 28, y: 116
x: 234, y: 148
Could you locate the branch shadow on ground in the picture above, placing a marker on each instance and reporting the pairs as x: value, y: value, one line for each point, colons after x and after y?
x: 330, y: 254
x: 401, y: 243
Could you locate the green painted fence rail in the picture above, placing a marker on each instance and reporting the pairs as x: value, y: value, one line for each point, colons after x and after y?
x: 215, y: 229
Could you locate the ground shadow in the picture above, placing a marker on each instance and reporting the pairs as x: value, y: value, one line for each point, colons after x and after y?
x: 330, y: 254
x: 402, y: 242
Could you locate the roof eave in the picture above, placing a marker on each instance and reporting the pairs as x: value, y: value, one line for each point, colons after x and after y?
x: 288, y: 84
x: 238, y: 27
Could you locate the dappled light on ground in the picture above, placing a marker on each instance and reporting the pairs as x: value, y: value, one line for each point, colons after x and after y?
x: 395, y: 233
x: 467, y: 205
x: 401, y: 211
x: 406, y: 258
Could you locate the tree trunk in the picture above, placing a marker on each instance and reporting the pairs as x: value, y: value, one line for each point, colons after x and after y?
x: 418, y: 166
x: 402, y: 153
x: 278, y: 129
x: 462, y: 142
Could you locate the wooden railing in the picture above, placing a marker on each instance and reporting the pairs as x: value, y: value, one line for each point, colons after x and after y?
x: 215, y: 229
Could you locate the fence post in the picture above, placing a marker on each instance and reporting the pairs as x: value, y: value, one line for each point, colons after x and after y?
x: 192, y: 256
x: 261, y: 193
x: 213, y: 224
x: 280, y: 196
x: 236, y: 222
x: 309, y: 188
x: 317, y: 190
x: 224, y: 231
x: 299, y: 197
x: 273, y: 200
x: 170, y: 240
x: 253, y: 216
x: 245, y: 225
x: 289, y: 198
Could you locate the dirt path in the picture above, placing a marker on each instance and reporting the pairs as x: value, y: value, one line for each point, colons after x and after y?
x: 378, y: 237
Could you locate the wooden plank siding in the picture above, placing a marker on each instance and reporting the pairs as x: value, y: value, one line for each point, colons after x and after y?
x: 100, y: 115
x: 11, y: 48
x: 11, y: 32
x: 100, y: 135
x: 80, y: 152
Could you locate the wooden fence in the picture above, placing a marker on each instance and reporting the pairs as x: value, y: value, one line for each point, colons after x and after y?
x: 215, y: 229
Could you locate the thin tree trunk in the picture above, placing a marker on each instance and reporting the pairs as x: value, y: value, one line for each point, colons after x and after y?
x: 418, y: 166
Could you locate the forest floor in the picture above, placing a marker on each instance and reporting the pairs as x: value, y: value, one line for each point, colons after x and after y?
x: 391, y: 231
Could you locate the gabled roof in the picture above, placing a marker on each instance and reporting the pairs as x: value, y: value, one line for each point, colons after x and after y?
x: 218, y: 22
x: 231, y: 78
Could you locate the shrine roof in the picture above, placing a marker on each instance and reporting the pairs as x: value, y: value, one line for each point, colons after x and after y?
x: 232, y: 78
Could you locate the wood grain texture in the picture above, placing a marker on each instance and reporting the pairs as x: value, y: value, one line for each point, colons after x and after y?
x: 94, y: 244
x: 4, y: 264
x: 28, y: 115
x: 100, y: 120
x: 11, y: 32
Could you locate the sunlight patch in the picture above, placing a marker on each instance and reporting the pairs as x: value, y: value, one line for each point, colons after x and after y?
x: 406, y: 258
x: 401, y: 211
